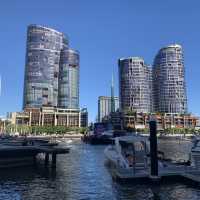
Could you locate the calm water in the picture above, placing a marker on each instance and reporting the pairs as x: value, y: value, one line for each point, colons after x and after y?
x: 81, y: 175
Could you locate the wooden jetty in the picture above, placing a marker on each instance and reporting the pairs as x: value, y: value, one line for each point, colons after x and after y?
x: 18, y: 152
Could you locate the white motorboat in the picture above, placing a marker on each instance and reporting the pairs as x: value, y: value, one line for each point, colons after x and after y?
x: 128, y: 154
x: 129, y: 157
x: 195, y: 153
x: 108, y: 133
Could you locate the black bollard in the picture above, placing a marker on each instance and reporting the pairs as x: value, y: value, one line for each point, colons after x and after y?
x: 46, y: 159
x: 53, y: 164
x: 34, y: 161
x: 153, y: 148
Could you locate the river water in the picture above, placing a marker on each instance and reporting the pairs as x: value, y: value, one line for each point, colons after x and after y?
x: 82, y: 175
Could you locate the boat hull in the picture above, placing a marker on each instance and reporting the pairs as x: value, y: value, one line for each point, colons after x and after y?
x: 94, y: 140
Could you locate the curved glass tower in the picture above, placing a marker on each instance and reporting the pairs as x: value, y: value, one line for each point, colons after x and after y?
x: 135, y: 85
x: 68, y: 95
x: 42, y: 66
x: 169, y: 80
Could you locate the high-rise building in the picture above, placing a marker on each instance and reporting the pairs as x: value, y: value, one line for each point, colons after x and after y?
x: 105, y: 106
x: 68, y: 92
x: 169, y: 80
x: 84, y: 117
x: 112, y: 96
x: 134, y: 85
x: 42, y: 66
x: 51, y: 71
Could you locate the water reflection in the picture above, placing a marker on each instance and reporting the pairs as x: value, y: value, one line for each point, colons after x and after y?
x: 82, y: 175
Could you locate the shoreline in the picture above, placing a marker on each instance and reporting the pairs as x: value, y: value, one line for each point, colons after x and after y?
x: 79, y: 135
x: 53, y: 136
x: 74, y: 136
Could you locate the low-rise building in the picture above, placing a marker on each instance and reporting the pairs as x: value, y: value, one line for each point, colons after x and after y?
x: 3, y: 123
x: 19, y: 118
x: 164, y: 120
x: 115, y: 118
x: 50, y: 116
x: 135, y: 120
x: 84, y: 117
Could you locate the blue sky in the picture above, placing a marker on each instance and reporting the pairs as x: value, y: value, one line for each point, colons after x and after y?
x: 102, y: 31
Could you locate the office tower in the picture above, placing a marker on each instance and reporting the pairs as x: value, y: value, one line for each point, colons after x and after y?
x: 42, y: 66
x: 51, y: 71
x: 169, y: 80
x: 104, y: 106
x: 150, y: 82
x: 112, y: 96
x: 134, y: 85
x: 68, y: 93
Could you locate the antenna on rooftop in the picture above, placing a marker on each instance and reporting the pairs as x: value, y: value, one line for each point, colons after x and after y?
x: 112, y: 95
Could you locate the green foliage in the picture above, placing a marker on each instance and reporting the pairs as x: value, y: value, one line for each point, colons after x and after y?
x: 142, y: 130
x: 130, y: 129
x: 84, y: 130
x: 131, y: 113
x: 37, y: 130
x: 180, y: 131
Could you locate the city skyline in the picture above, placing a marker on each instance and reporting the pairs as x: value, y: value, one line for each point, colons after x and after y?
x: 94, y: 43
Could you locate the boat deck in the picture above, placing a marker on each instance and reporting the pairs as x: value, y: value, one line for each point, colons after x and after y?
x: 180, y: 173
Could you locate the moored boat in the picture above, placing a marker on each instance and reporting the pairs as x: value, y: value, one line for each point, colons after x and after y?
x: 195, y: 152
x: 128, y: 154
x: 106, y: 137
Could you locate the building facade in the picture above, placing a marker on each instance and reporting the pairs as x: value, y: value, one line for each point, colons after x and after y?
x: 51, y: 71
x: 105, y: 106
x: 164, y: 121
x: 42, y: 66
x: 134, y: 85
x: 169, y: 81
x: 68, y: 85
x: 3, y: 123
x: 50, y: 116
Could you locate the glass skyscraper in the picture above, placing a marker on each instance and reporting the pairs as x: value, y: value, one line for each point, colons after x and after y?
x: 68, y: 96
x: 134, y: 85
x: 44, y: 60
x: 169, y: 80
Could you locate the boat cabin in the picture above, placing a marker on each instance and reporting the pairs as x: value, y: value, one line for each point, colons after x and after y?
x: 133, y: 151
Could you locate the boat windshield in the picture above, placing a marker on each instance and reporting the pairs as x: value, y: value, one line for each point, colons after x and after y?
x: 133, y: 152
x: 136, y: 146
